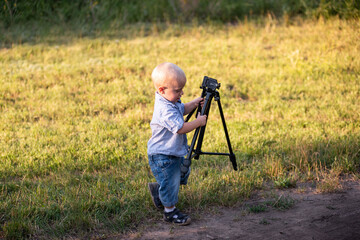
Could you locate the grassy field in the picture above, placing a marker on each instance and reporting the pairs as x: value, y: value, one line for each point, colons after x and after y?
x: 75, y: 114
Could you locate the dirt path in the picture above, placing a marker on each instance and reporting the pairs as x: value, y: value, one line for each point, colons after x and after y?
x: 312, y: 216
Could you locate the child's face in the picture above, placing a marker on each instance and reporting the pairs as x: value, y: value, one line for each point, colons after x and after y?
x: 172, y: 92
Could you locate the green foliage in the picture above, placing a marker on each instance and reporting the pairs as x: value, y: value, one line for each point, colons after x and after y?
x: 284, y: 182
x: 281, y: 202
x: 258, y: 208
x: 17, y: 229
x: 105, y: 12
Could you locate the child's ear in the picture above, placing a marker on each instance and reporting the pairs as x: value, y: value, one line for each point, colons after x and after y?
x: 161, y: 90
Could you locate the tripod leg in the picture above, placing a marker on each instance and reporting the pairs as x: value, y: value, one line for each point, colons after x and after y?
x: 232, y: 155
x: 187, y: 161
x: 189, y: 115
x: 205, y: 111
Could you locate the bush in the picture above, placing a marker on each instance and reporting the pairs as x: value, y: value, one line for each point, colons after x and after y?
x: 126, y: 11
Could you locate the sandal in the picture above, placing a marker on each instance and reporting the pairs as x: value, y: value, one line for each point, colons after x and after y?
x: 177, y: 217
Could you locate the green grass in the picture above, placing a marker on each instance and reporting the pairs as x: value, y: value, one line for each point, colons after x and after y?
x: 75, y: 115
x: 279, y: 202
x: 258, y: 208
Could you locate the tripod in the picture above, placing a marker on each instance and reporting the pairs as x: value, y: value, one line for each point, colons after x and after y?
x: 209, y: 92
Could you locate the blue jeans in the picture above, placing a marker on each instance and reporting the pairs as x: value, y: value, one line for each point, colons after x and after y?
x: 166, y: 170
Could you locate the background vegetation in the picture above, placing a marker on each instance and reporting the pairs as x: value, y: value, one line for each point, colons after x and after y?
x: 76, y: 103
x: 105, y: 12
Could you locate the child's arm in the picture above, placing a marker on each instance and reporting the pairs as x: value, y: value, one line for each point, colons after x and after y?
x: 193, y: 104
x: 189, y: 126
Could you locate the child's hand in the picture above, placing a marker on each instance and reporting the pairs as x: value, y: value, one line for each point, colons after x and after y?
x: 201, y: 119
x: 197, y: 101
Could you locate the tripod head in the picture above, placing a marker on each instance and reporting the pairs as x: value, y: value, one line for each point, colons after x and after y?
x: 209, y: 84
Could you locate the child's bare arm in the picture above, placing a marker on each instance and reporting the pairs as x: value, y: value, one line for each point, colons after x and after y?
x: 193, y: 104
x: 189, y: 126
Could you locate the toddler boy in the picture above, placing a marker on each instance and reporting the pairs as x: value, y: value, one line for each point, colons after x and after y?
x: 168, y: 143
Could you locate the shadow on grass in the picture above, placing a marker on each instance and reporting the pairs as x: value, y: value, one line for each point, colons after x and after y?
x: 50, y: 33
x: 40, y: 32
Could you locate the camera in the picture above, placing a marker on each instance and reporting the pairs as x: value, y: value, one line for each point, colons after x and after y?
x: 210, y: 84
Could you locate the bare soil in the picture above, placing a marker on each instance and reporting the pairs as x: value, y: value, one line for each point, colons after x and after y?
x: 312, y: 216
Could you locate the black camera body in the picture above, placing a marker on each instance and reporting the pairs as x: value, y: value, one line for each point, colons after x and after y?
x: 210, y: 84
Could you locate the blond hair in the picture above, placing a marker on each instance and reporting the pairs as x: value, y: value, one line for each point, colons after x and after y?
x: 166, y: 73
